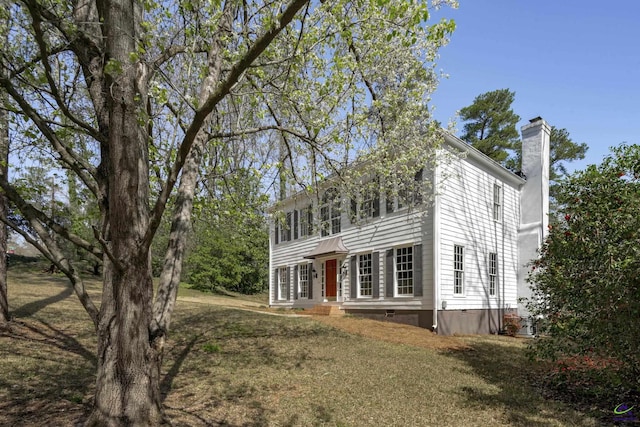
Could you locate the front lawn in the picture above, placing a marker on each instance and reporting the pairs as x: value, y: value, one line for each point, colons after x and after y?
x: 225, y: 366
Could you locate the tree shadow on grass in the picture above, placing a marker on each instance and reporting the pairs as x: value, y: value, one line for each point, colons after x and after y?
x: 32, y: 308
x: 46, y: 373
x: 506, y: 366
x: 207, y: 350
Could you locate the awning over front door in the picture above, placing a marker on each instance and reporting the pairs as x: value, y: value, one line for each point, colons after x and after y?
x: 332, y: 246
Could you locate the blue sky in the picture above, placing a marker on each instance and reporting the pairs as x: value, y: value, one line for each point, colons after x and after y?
x: 575, y: 63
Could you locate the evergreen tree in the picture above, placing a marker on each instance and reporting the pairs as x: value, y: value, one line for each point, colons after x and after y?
x: 491, y: 124
x: 491, y: 128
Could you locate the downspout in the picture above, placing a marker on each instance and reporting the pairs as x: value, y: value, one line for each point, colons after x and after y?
x: 436, y: 249
x: 501, y: 279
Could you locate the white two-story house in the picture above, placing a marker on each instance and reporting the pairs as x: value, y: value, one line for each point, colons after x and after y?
x: 457, y: 266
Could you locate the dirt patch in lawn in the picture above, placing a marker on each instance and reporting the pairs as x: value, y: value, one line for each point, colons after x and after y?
x: 392, y: 332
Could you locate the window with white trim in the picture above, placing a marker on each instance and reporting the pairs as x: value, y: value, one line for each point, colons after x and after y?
x: 365, y: 275
x: 368, y: 200
x: 370, y: 207
x: 493, y: 273
x: 282, y: 283
x: 410, y: 194
x: 458, y: 270
x: 306, y: 221
x: 404, y: 270
x: 497, y: 202
x: 303, y: 281
x: 284, y: 226
x: 330, y: 213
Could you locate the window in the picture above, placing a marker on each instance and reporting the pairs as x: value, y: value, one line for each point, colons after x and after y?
x: 409, y: 193
x: 497, y: 202
x: 404, y: 271
x: 303, y: 281
x: 493, y: 273
x: 283, y: 283
x: 276, y: 232
x: 370, y: 206
x: 330, y: 213
x: 306, y: 221
x: 366, y: 204
x: 284, y: 225
x: 365, y: 276
x: 283, y: 231
x: 458, y: 270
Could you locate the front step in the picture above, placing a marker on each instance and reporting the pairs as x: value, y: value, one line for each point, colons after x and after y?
x: 331, y: 310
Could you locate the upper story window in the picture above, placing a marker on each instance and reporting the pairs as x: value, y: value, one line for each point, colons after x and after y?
x: 370, y: 204
x: 283, y: 228
x: 409, y: 193
x: 306, y: 221
x: 330, y: 212
x: 497, y: 202
x: 367, y: 204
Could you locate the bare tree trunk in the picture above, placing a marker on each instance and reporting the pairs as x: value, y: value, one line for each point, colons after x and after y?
x: 181, y: 220
x: 4, y: 163
x: 128, y: 376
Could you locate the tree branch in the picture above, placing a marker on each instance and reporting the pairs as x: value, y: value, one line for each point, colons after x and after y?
x: 44, y: 55
x: 31, y: 213
x: 53, y: 253
x: 85, y: 171
x: 221, y: 91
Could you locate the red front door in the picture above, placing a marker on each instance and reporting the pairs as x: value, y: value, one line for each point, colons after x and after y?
x: 331, y: 273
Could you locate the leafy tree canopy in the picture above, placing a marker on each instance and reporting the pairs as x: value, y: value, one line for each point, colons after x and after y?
x: 230, y: 244
x: 127, y: 95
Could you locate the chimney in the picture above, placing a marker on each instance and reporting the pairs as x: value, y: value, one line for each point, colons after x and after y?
x: 534, y: 204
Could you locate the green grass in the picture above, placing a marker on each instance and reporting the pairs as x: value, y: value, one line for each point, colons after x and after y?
x: 234, y: 367
x: 187, y: 290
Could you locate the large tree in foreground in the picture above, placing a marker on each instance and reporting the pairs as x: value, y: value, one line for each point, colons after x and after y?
x: 587, y: 281
x: 126, y: 95
x: 4, y: 167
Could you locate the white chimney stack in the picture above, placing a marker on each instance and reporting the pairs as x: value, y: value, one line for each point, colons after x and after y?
x: 534, y: 203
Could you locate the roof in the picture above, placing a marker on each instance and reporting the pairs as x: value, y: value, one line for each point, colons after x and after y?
x: 483, y: 160
x: 330, y: 246
x: 472, y: 154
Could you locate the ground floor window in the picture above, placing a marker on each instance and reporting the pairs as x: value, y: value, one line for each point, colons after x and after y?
x: 365, y: 277
x: 303, y: 281
x: 493, y: 273
x: 458, y: 269
x: 282, y: 283
x: 404, y: 271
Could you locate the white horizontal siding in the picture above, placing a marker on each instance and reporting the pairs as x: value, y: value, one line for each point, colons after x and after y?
x: 466, y: 219
x: 377, y: 234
